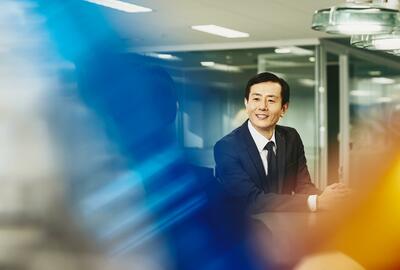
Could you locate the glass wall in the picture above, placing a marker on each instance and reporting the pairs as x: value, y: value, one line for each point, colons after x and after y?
x: 374, y: 101
x: 364, y: 91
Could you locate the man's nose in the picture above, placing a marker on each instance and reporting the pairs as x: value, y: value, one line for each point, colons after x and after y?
x: 263, y: 105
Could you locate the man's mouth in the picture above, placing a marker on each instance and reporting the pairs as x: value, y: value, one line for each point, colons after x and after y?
x: 261, y: 116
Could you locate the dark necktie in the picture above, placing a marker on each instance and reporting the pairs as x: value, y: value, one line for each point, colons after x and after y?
x: 272, y: 176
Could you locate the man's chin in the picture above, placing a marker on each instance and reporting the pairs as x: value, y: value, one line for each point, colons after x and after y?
x: 262, y: 126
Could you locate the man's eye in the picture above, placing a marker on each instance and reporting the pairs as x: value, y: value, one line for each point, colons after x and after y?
x: 256, y: 99
x: 271, y: 101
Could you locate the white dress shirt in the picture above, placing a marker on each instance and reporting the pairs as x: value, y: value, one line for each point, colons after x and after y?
x: 261, y: 142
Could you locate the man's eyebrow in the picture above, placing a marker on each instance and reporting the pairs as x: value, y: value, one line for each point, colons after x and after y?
x: 260, y: 95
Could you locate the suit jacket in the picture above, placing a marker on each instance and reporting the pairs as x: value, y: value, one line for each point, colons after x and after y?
x: 241, y: 172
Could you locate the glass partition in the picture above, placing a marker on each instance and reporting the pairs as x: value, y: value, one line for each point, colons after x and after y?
x: 374, y: 101
x: 369, y: 110
x: 211, y: 92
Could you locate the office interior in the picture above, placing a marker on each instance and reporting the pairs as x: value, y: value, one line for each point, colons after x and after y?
x: 345, y: 104
x: 216, y: 100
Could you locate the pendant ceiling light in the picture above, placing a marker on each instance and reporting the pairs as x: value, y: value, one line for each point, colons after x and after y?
x: 381, y: 42
x: 395, y: 52
x: 357, y: 18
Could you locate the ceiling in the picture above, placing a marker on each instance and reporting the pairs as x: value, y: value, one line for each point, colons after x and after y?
x: 168, y: 26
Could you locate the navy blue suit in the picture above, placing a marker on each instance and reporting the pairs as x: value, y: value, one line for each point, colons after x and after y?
x: 241, y: 172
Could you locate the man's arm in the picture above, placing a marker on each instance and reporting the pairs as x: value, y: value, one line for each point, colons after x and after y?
x: 237, y: 183
x: 327, y: 199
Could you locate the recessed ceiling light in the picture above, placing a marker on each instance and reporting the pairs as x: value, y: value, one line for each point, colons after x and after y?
x: 220, y: 31
x: 294, y: 50
x: 382, y: 80
x: 120, y: 5
x: 282, y: 50
x: 221, y: 67
x: 362, y: 93
x: 307, y: 82
x: 374, y: 73
x: 164, y: 56
x: 207, y: 63
x: 311, y: 59
x: 384, y: 99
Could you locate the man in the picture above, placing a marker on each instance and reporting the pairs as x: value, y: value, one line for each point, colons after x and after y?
x: 262, y: 164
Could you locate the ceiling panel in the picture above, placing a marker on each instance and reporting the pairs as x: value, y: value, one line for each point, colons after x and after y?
x: 169, y: 24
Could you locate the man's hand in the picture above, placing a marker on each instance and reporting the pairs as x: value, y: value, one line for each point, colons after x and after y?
x: 332, y: 196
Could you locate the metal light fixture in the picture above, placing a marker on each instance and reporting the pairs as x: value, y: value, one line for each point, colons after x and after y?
x: 381, y: 42
x: 394, y: 52
x: 357, y: 18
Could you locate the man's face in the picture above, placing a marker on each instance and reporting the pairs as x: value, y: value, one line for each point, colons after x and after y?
x: 264, y: 106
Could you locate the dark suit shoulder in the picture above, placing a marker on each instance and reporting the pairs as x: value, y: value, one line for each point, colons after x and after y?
x: 286, y: 129
x: 288, y: 132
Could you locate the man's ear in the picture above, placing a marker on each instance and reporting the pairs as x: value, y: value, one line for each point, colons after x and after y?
x: 285, y: 107
x: 245, y: 102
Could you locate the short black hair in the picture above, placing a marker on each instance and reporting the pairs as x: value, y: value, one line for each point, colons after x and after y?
x: 269, y: 77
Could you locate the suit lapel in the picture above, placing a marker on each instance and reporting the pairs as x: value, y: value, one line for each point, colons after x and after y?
x: 281, y: 150
x: 254, y: 154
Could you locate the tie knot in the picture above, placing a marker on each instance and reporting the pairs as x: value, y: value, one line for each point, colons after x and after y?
x: 269, y: 146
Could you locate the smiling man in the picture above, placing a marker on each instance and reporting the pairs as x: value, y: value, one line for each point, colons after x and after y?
x: 261, y: 164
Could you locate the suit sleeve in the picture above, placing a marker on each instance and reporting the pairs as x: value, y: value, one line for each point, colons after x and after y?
x: 303, y: 179
x: 237, y: 183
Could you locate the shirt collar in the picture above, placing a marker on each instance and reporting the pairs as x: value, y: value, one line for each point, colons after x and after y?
x: 258, y: 138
